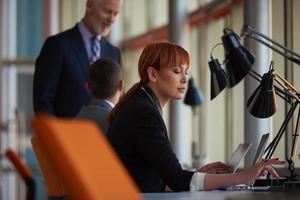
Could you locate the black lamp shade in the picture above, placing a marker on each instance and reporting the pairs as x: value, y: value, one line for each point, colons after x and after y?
x: 262, y: 103
x: 238, y: 59
x: 218, y: 78
x: 193, y: 95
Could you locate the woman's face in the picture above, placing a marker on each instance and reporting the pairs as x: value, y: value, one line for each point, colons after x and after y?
x: 171, y: 82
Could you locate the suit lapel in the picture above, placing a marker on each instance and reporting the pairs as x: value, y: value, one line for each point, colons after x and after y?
x: 79, y: 48
x: 105, y: 53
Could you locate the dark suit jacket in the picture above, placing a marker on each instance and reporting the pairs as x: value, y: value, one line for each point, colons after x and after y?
x: 139, y: 136
x: 97, y: 110
x: 61, y: 72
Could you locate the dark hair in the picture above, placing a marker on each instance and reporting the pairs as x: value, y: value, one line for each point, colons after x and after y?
x: 104, y: 78
x: 157, y: 55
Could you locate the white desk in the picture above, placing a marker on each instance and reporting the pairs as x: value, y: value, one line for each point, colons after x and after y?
x: 223, y: 195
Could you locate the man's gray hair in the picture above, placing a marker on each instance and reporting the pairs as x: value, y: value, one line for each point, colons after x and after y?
x: 98, y: 1
x: 95, y: 1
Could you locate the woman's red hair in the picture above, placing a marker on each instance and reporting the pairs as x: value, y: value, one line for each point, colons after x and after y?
x: 157, y: 55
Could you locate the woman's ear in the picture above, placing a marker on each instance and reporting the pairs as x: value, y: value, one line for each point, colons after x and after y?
x: 121, y: 86
x: 152, y: 74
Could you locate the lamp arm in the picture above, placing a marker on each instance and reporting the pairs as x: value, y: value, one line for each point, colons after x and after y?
x: 255, y: 75
x: 289, y: 88
x: 273, y: 145
x: 291, y: 159
x: 248, y: 31
x: 211, y: 57
x: 295, y: 138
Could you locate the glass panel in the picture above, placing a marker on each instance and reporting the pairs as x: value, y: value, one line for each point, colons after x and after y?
x: 22, y: 25
x: 296, y: 48
x: 278, y: 36
x: 29, y: 28
x: 25, y: 111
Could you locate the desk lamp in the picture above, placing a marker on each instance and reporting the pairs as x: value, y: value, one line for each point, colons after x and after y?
x: 262, y: 103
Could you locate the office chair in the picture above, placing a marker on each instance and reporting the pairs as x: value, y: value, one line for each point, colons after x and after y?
x: 84, y: 159
x: 55, y: 189
x: 24, y: 171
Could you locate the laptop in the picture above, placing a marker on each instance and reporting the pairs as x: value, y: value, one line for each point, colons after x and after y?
x: 260, y: 151
x: 257, y: 158
x: 238, y: 155
x: 261, y: 148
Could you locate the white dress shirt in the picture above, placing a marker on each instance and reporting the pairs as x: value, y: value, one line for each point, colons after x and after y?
x: 197, y: 181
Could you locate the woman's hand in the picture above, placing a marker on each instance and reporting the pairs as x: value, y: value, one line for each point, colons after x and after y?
x: 216, y: 168
x: 260, y: 169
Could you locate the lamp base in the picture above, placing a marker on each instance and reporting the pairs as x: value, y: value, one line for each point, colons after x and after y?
x: 269, y: 182
x: 292, y: 185
x: 282, y: 184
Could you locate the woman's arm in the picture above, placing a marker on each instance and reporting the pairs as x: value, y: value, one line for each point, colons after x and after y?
x: 215, y: 181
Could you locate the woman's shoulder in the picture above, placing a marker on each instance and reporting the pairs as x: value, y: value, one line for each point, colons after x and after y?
x: 140, y: 105
x: 140, y: 99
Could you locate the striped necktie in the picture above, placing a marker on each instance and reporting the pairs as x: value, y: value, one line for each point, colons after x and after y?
x: 95, y: 49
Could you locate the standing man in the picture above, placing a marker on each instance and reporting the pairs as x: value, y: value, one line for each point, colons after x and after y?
x: 106, y: 85
x: 62, y: 67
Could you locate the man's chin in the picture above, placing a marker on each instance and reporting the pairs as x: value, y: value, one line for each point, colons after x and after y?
x: 104, y: 32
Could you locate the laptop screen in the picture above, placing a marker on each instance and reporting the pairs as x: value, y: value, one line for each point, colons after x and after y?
x: 261, y: 148
x: 238, y: 155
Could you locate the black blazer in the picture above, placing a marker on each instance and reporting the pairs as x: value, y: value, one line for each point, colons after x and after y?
x: 139, y: 136
x: 61, y: 71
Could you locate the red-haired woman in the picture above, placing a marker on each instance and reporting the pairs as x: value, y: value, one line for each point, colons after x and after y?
x: 139, y: 135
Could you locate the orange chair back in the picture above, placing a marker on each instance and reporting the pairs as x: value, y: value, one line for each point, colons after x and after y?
x: 53, y: 183
x: 84, y: 159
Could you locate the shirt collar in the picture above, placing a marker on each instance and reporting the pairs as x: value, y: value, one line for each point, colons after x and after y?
x: 101, y: 101
x: 85, y: 32
x: 110, y: 103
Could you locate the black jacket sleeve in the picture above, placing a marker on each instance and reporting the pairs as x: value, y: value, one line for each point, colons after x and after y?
x: 47, y: 74
x: 154, y: 145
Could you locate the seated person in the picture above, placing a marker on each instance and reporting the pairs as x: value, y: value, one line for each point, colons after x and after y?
x: 106, y: 85
x: 139, y: 134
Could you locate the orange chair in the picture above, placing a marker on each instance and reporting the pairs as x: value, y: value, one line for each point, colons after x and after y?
x: 24, y: 172
x: 54, y: 185
x: 84, y: 160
